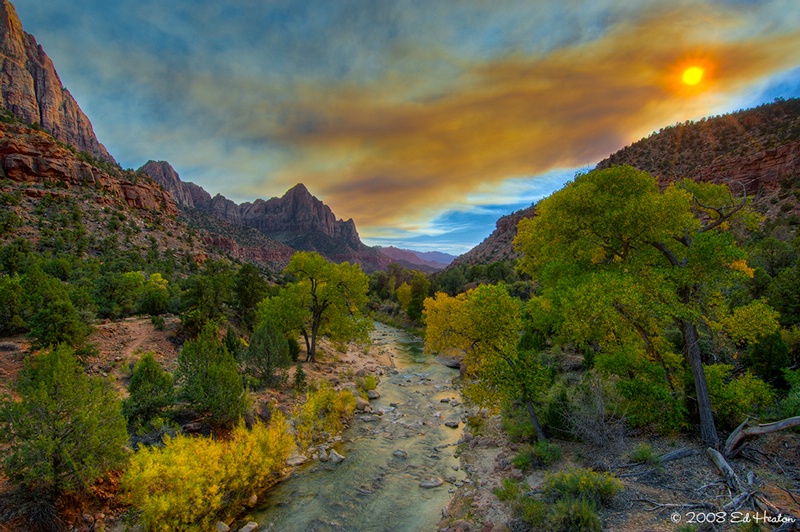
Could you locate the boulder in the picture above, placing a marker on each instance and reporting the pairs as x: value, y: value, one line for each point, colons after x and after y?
x: 453, y: 424
x: 222, y: 527
x: 249, y: 527
x: 295, y: 460
x: 361, y: 403
x: 336, y: 458
x: 400, y: 453
x: 429, y: 483
x: 373, y: 394
x: 323, y: 456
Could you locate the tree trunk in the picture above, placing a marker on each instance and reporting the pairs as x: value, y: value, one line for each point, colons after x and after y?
x: 313, y: 350
x: 532, y: 413
x: 308, y: 344
x: 708, y: 430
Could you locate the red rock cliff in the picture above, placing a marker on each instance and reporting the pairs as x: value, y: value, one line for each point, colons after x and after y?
x: 31, y: 89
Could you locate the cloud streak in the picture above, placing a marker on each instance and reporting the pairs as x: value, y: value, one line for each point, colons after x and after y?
x: 395, y: 112
x: 516, y: 116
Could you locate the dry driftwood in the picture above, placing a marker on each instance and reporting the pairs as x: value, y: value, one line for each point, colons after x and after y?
x: 727, y: 471
x: 741, y: 433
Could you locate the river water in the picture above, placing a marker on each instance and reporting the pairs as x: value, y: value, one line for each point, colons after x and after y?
x: 377, y: 486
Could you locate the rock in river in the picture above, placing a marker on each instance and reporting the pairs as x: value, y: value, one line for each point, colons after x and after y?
x: 434, y: 482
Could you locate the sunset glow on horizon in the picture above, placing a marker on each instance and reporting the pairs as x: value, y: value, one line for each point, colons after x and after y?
x: 422, y: 122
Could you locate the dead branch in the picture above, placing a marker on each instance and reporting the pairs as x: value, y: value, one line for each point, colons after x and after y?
x: 727, y: 471
x: 658, y: 505
x: 676, y: 455
x: 742, y: 433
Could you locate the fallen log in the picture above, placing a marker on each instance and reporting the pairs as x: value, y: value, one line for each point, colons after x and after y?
x: 741, y: 433
x: 727, y: 471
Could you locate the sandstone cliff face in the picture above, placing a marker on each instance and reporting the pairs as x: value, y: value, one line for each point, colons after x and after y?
x: 31, y: 89
x: 30, y: 156
x: 185, y: 194
x: 297, y: 219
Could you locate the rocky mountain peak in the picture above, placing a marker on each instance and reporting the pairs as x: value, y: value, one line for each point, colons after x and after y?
x: 32, y: 90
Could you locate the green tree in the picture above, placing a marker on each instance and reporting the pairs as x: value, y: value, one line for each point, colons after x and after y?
x: 207, y: 295
x: 154, y: 298
x: 419, y: 291
x: 63, y: 430
x: 485, y: 325
x: 249, y: 288
x: 326, y: 299
x: 150, y: 389
x: 54, y: 319
x: 13, y: 305
x: 209, y: 379
x: 267, y: 356
x: 651, y: 257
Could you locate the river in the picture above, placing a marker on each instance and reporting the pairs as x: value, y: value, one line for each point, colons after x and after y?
x: 377, y: 486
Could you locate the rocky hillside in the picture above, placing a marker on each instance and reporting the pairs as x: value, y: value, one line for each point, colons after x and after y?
x: 758, y: 149
x: 31, y: 89
x: 498, y: 246
x: 58, y: 199
x: 297, y: 219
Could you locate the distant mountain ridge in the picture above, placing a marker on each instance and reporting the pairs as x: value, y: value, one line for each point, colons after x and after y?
x: 32, y: 90
x: 296, y: 219
x: 429, y: 260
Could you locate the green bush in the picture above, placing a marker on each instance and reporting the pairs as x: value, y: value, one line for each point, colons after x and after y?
x: 294, y: 349
x: 510, y: 490
x: 595, y: 487
x: 63, y: 430
x: 209, y: 379
x: 573, y: 515
x: 734, y: 399
x: 150, y: 389
x: 299, y: 385
x: 267, y: 356
x: 643, y: 453
x: 370, y: 383
x: 539, y: 454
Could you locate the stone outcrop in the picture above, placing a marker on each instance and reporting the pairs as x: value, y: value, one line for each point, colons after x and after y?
x: 31, y: 89
x: 499, y: 245
x: 31, y: 156
x: 297, y: 219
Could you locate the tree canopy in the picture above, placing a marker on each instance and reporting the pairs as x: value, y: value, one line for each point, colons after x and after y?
x: 618, y: 260
x: 326, y: 299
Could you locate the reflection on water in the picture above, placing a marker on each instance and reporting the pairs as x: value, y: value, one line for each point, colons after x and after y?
x: 377, y: 487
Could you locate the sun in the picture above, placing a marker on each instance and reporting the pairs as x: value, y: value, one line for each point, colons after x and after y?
x: 693, y: 75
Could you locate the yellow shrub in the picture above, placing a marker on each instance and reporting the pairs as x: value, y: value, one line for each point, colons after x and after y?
x: 323, y: 414
x: 191, y: 483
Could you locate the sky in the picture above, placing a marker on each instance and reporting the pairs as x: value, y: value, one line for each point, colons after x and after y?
x: 422, y: 120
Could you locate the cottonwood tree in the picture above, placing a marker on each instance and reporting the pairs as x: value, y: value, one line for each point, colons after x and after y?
x: 485, y: 325
x: 636, y: 258
x: 326, y: 299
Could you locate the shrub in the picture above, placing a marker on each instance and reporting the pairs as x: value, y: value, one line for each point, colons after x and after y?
x: 267, y: 356
x: 209, y: 379
x: 643, y: 453
x: 370, y: 383
x: 598, y: 488
x: 574, y: 515
x: 299, y: 384
x: 540, y: 454
x: 322, y: 415
x: 158, y: 322
x: 150, y: 390
x: 64, y: 430
x: 294, y: 349
x: 191, y: 483
x: 510, y: 490
x: 734, y: 399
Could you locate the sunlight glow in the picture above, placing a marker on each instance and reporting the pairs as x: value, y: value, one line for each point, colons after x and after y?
x: 693, y: 75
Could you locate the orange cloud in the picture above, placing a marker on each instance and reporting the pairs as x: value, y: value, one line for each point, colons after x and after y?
x: 377, y: 155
